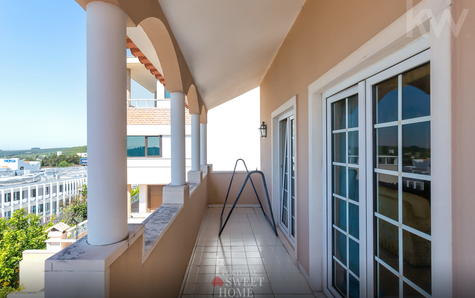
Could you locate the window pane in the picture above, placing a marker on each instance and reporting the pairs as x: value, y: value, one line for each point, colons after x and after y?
x: 339, y: 213
x: 354, y: 220
x: 353, y: 147
x: 153, y: 146
x: 416, y: 204
x: 354, y: 291
x: 416, y: 148
x: 385, y: 100
x: 136, y: 146
x: 417, y: 260
x: 416, y: 92
x: 339, y: 278
x: 353, y: 111
x: 354, y: 262
x: 339, y: 114
x: 353, y: 184
x: 387, y: 195
x: 339, y: 147
x: 387, y: 243
x: 410, y: 292
x: 388, y: 283
x: 339, y: 180
x: 386, y: 143
x: 339, y: 246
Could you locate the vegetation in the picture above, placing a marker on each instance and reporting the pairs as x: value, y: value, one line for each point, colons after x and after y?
x: 76, y: 212
x: 21, y: 232
x: 37, y: 153
x: 62, y: 161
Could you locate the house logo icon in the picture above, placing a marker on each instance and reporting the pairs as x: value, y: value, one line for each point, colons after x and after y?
x: 218, y: 282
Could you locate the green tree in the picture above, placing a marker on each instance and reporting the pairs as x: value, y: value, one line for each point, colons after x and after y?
x: 21, y: 232
x: 76, y: 212
x: 64, y: 164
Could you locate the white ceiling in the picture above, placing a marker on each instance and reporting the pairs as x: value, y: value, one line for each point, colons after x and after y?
x: 229, y: 44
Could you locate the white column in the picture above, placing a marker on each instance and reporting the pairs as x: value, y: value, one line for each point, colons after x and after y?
x: 177, y: 111
x: 21, y: 198
x: 143, y: 198
x: 2, y: 197
x: 57, y: 198
x: 29, y: 199
x: 36, y: 200
x: 204, y: 144
x: 50, y: 200
x: 195, y: 142
x: 106, y: 123
x: 12, y: 200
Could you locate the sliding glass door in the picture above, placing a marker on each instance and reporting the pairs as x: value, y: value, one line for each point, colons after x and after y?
x: 379, y: 184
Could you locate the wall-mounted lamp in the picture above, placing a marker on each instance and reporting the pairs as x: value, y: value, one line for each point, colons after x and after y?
x: 263, y: 130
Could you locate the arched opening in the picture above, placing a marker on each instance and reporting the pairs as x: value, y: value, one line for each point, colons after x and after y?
x: 192, y: 100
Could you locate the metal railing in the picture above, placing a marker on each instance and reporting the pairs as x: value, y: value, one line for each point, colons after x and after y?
x: 248, y: 178
x: 142, y: 103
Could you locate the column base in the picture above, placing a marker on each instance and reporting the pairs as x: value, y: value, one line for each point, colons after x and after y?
x: 175, y: 194
x: 194, y: 177
x: 205, y: 169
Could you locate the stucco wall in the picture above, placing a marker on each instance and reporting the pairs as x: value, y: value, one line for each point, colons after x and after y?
x: 463, y: 203
x: 324, y: 33
x: 163, y: 271
x: 218, y: 186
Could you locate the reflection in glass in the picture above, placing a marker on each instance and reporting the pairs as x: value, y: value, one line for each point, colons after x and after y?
x: 416, y: 148
x: 417, y: 260
x: 136, y: 146
x: 339, y: 278
x: 353, y: 218
x: 353, y: 147
x: 339, y: 213
x: 387, y: 243
x: 339, y: 246
x: 339, y: 114
x: 416, y: 204
x: 385, y: 100
x: 354, y: 290
x: 416, y: 92
x: 411, y: 292
x: 387, y: 148
x: 353, y: 184
x: 388, y: 283
x: 339, y: 180
x: 353, y: 111
x: 153, y: 146
x: 387, y: 195
x: 339, y: 147
x: 354, y: 257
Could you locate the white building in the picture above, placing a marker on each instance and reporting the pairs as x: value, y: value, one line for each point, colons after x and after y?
x: 44, y: 193
x: 16, y: 164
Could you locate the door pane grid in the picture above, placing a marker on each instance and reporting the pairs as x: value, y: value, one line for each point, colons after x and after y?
x: 412, y: 249
x: 345, y: 280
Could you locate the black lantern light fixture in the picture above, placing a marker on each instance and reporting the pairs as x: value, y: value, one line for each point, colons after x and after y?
x: 263, y: 130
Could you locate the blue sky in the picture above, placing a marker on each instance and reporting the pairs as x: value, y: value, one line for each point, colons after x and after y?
x: 43, y: 74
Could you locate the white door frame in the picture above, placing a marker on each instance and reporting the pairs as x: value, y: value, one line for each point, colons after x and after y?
x: 399, y: 41
x: 286, y: 109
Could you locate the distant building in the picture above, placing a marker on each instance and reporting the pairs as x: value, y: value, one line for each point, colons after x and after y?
x: 16, y: 164
x: 82, y: 154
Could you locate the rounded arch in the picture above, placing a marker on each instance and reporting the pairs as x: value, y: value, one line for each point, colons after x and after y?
x: 204, y: 115
x: 162, y: 42
x: 192, y: 100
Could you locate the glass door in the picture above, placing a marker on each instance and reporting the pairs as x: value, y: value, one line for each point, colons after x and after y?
x: 346, y: 198
x: 287, y: 174
x: 400, y: 178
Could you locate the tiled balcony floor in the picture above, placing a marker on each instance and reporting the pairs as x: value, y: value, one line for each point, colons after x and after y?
x: 248, y: 260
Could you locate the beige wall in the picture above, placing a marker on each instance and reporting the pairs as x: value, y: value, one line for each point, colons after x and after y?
x: 155, y: 193
x: 218, y: 186
x: 324, y: 33
x: 162, y: 273
x: 463, y: 160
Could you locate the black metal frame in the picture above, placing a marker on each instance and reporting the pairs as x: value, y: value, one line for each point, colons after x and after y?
x: 248, y: 178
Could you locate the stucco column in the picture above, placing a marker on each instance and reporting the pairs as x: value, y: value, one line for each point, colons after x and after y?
x: 204, y: 145
x: 177, y: 111
x: 106, y: 123
x: 195, y: 142
x: 143, y: 198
